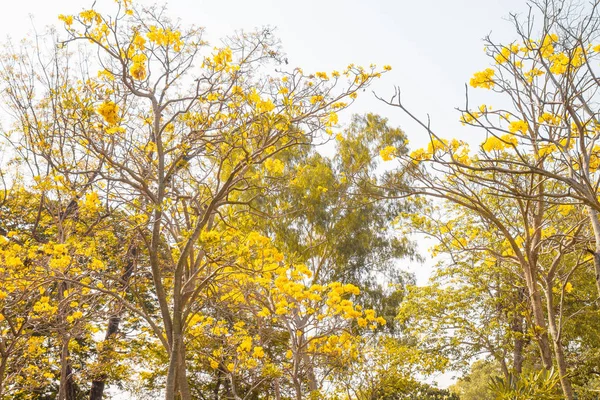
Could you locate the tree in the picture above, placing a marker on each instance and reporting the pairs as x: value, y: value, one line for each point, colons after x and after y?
x: 548, y: 77
x: 171, y: 137
x: 329, y: 216
x: 537, y: 154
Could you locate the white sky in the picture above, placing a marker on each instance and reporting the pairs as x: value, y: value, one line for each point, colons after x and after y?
x: 433, y: 46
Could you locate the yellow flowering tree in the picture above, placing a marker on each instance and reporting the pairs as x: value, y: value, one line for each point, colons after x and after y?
x: 168, y: 133
x: 546, y: 133
x: 550, y: 82
x: 264, y: 324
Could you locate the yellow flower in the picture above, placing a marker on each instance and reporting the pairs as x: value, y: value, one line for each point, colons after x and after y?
x: 246, y: 344
x: 560, y: 63
x: 529, y: 75
x: 499, y: 143
x: 109, y: 111
x: 212, y: 96
x: 547, y: 48
x: 565, y: 209
x: 568, y: 287
x: 264, y: 312
x: 387, y: 67
x: 67, y: 19
x: 258, y: 352
x: 138, y: 69
x: 503, y: 56
x: 483, y: 79
x: 518, y: 126
x: 139, y: 42
x: 265, y: 106
x: 549, y: 119
x: 316, y: 99
x: 96, y: 265
x: 510, y: 140
x: 388, y: 153
x: 89, y: 15
x: 546, y: 149
x: 274, y: 167
x: 332, y: 119
x: 165, y: 37
x: 75, y: 316
x: 223, y: 57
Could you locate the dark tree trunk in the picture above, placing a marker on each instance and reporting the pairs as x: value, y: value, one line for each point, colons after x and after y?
x: 517, y: 328
x: 98, y: 385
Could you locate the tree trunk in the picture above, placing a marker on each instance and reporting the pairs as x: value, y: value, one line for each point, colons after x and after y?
x: 218, y: 384
x: 519, y: 345
x: 2, y: 373
x: 539, y: 320
x: 296, y: 380
x: 98, y: 385
x: 595, y: 221
x: 565, y: 383
x: 173, y: 361
x: 176, y: 373
x: 66, y: 386
x: 517, y: 328
x: 97, y: 390
x: 66, y: 390
x: 542, y: 336
x: 310, y: 371
x: 184, y: 388
x: 298, y: 388
x: 277, y: 393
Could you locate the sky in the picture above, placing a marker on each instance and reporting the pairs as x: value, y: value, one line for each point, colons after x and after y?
x: 433, y: 46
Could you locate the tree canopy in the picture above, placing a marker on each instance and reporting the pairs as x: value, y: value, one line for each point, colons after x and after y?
x: 184, y: 221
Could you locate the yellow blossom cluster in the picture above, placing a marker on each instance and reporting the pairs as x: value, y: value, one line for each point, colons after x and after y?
x: 518, y: 126
x: 239, y: 349
x: 499, y: 143
x: 503, y: 56
x: 165, y: 37
x: 549, y: 119
x: 531, y: 74
x: 67, y: 19
x: 138, y: 68
x: 388, y: 153
x: 261, y: 105
x: 546, y: 48
x: 274, y: 166
x: 109, y: 111
x: 483, y: 79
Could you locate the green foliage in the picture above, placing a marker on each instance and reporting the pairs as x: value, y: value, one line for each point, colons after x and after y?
x: 418, y: 391
x: 527, y: 386
x: 328, y: 213
x: 475, y: 384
